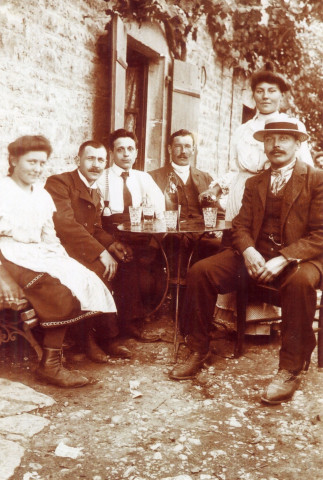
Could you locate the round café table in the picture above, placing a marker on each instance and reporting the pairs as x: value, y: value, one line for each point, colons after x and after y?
x: 157, y: 229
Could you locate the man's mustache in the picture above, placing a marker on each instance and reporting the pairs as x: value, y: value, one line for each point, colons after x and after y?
x: 95, y: 170
x: 277, y: 150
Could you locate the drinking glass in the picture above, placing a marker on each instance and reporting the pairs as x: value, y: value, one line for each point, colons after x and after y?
x: 209, y: 215
x: 171, y: 217
x: 135, y: 215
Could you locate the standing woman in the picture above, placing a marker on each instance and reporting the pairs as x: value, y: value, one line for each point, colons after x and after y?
x: 268, y: 89
x: 62, y: 291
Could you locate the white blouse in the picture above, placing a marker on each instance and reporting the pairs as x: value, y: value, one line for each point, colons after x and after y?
x: 28, y: 239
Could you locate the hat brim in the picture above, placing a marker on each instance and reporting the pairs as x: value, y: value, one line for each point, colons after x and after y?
x: 260, y: 135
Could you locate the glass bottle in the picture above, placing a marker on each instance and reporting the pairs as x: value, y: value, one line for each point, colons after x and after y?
x: 171, y: 193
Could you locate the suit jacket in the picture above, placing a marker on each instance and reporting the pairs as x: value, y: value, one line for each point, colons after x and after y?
x: 78, y: 217
x: 301, y: 214
x: 200, y: 179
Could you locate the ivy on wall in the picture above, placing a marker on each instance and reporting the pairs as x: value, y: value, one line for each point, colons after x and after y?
x: 245, y: 34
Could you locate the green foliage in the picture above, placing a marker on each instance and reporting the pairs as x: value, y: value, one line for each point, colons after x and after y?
x: 245, y: 34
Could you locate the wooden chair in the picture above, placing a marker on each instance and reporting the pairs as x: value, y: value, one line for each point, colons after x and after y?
x: 18, y: 318
x: 268, y: 294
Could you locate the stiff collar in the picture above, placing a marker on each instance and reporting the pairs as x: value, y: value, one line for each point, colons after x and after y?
x: 181, y: 169
x: 283, y: 170
x: 85, y: 181
x: 118, y: 170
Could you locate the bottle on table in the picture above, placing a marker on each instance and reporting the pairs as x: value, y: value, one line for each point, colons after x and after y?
x: 172, y: 205
x: 171, y: 193
x: 147, y: 209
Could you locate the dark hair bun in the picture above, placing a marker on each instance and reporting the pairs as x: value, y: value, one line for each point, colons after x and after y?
x: 269, y: 75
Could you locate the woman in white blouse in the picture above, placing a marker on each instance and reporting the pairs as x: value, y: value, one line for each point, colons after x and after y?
x: 62, y: 291
x: 268, y: 88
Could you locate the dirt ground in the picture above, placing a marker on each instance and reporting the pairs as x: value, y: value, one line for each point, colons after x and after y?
x: 135, y: 423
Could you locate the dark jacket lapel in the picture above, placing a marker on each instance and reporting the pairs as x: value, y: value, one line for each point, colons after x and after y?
x: 81, y: 187
x: 293, y: 189
x: 262, y: 187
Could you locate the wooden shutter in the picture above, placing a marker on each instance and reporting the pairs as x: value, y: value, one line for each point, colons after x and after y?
x: 185, y: 96
x: 118, y: 72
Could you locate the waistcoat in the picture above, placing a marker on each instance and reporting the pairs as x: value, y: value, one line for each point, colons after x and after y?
x: 188, y: 198
x: 269, y: 241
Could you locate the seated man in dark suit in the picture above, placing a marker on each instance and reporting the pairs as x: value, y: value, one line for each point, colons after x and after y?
x: 78, y: 225
x: 190, y: 182
x: 277, y: 237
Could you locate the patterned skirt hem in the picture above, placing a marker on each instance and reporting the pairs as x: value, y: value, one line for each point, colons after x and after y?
x: 69, y: 321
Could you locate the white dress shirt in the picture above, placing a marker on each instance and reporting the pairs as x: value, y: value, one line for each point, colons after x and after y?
x: 140, y: 185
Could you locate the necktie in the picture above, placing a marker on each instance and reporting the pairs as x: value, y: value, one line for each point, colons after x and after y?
x: 280, y: 178
x: 277, y: 183
x: 127, y: 198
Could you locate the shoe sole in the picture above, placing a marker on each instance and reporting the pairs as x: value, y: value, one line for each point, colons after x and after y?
x: 276, y: 402
x: 50, y: 381
x: 182, y: 378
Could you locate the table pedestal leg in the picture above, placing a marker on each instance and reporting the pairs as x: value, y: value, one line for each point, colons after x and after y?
x: 178, y: 285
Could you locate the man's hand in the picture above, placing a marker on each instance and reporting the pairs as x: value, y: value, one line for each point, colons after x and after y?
x: 121, y: 251
x: 273, y: 267
x: 210, y: 195
x: 254, y: 261
x: 9, y: 289
x: 109, y: 263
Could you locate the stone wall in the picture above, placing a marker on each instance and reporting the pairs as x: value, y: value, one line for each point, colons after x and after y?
x: 220, y: 107
x: 54, y: 82
x: 51, y: 79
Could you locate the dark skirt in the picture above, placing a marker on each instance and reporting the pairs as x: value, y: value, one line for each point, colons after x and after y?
x: 53, y: 302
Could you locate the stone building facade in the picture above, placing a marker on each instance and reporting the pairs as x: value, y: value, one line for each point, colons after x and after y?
x: 64, y: 75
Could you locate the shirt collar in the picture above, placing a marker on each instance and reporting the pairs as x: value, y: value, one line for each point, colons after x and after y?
x: 118, y: 170
x: 264, y: 116
x: 180, y: 168
x: 283, y: 170
x: 85, y: 181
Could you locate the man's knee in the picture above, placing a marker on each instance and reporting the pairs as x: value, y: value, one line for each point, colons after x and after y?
x: 305, y: 277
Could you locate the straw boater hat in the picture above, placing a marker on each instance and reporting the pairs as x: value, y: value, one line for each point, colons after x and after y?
x: 280, y: 126
x: 269, y: 75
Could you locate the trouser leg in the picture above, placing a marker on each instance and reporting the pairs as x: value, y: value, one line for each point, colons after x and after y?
x: 298, y: 301
x: 207, y: 278
x: 127, y: 295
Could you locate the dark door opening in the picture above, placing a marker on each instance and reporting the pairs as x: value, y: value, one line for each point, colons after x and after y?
x: 136, y: 101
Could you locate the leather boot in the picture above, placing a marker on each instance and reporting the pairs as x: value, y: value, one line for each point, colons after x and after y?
x: 281, y: 388
x: 93, y: 351
x: 114, y: 349
x: 52, y: 370
x: 190, y: 368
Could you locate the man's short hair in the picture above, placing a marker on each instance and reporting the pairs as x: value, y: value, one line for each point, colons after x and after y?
x: 89, y: 143
x: 121, y: 133
x: 181, y: 133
